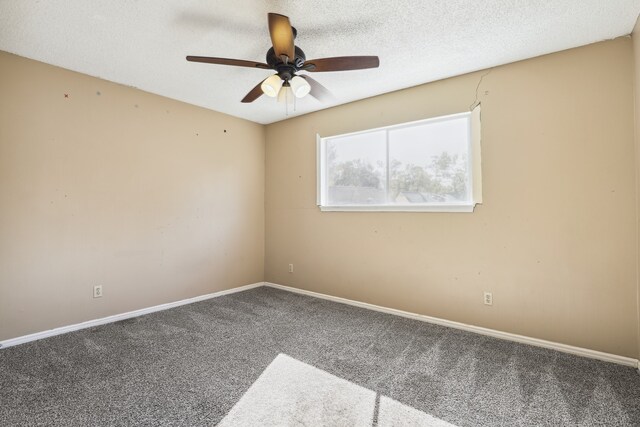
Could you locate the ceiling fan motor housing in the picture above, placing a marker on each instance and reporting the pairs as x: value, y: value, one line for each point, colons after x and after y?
x: 288, y: 70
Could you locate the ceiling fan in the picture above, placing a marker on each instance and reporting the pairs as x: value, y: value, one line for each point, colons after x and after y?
x: 287, y: 60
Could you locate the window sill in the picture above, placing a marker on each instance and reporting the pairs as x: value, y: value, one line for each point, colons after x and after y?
x: 399, y: 208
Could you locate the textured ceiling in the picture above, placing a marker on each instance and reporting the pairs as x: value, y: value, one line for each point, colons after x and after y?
x: 143, y: 43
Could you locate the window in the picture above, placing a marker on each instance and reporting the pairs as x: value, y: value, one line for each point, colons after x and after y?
x: 428, y: 165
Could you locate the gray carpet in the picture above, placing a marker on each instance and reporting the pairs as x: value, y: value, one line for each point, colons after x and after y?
x: 190, y: 365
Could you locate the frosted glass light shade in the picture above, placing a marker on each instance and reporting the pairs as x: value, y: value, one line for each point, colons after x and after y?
x: 285, y: 95
x: 299, y: 86
x: 271, y: 86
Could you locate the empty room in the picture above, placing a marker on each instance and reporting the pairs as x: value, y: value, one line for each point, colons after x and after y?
x: 304, y: 213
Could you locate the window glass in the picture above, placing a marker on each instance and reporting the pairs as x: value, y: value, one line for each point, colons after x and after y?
x: 356, y: 169
x: 424, y: 165
x: 429, y: 163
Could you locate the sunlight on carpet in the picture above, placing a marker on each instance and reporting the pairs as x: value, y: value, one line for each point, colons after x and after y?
x: 292, y: 393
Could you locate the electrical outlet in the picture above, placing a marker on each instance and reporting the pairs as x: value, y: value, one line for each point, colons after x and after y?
x: 290, y: 268
x: 488, y: 298
x: 97, y: 291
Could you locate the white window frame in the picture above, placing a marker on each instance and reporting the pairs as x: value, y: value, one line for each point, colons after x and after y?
x: 474, y: 176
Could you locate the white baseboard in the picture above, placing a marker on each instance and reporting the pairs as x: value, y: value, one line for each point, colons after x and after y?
x: 593, y: 354
x: 122, y: 316
x: 584, y: 352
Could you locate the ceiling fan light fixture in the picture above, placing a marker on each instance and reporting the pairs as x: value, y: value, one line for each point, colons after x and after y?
x: 299, y: 86
x: 271, y: 86
x: 286, y: 94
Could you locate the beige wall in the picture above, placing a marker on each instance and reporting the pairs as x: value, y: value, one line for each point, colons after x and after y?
x: 555, y: 240
x: 636, y: 81
x: 152, y: 199
x: 149, y: 197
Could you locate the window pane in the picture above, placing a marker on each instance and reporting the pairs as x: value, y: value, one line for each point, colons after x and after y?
x: 428, y: 163
x: 356, y: 169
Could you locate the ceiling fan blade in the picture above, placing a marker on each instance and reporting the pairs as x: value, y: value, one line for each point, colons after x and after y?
x: 342, y: 63
x: 281, y: 35
x: 227, y: 61
x: 254, y: 93
x: 318, y: 91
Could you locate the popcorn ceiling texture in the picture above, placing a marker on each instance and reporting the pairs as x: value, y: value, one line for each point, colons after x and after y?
x: 190, y: 365
x: 144, y: 43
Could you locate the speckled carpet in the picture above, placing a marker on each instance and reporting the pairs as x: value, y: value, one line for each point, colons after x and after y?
x: 290, y: 392
x: 190, y: 365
